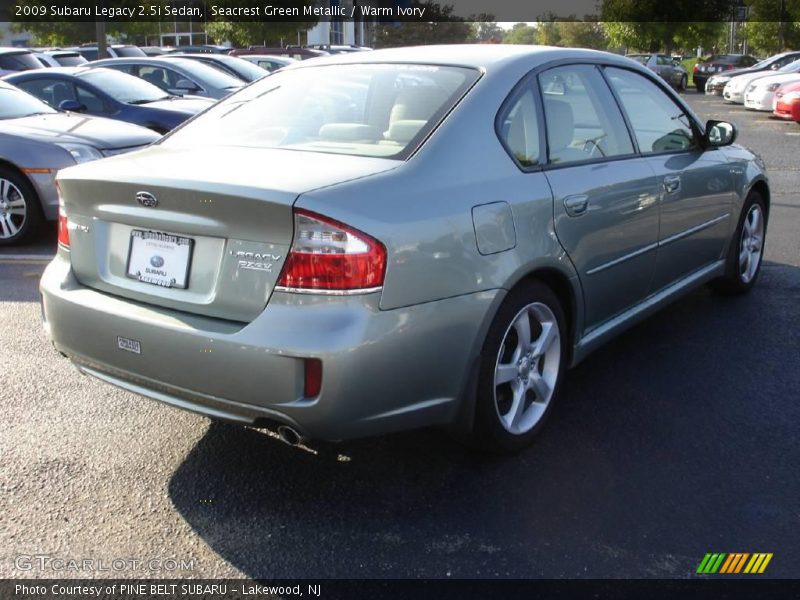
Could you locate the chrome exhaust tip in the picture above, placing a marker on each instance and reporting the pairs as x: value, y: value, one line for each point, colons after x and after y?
x: 289, y: 436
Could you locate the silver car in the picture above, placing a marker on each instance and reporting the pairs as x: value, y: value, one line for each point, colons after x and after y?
x: 669, y: 69
x: 35, y: 142
x: 180, y: 76
x: 400, y: 238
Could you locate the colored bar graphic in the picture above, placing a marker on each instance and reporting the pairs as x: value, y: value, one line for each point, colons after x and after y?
x: 733, y: 563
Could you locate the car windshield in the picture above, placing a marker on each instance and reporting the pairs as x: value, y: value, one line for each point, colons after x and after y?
x: 376, y: 110
x: 641, y: 58
x: 19, y: 61
x: 123, y: 87
x: 15, y: 103
x: 210, y: 75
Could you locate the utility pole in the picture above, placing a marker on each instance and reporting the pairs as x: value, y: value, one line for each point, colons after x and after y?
x: 782, y: 27
x: 100, y: 34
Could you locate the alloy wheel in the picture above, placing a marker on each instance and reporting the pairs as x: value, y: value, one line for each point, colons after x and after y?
x: 13, y: 209
x: 751, y: 243
x: 527, y: 368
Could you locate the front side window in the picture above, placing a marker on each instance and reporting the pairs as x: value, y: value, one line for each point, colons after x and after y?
x: 15, y: 103
x: 581, y: 116
x: 378, y: 110
x: 658, y: 123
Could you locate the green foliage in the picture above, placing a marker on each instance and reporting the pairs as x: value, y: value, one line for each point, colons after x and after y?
x: 485, y: 29
x: 521, y: 33
x: 257, y: 33
x: 764, y: 31
x: 582, y: 34
x: 441, y: 28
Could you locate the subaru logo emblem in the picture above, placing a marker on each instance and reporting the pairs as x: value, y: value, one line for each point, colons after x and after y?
x: 146, y: 199
x: 157, y: 261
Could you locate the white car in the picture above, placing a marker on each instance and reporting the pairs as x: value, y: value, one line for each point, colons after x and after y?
x: 760, y: 94
x: 736, y: 87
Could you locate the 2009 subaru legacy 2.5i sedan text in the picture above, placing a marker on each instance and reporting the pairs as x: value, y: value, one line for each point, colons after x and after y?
x: 393, y: 239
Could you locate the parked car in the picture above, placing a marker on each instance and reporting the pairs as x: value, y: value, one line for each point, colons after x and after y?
x: 296, y: 52
x: 760, y: 93
x: 90, y: 51
x: 337, y: 49
x: 716, y: 83
x: 156, y: 50
x: 60, y: 58
x: 669, y: 70
x: 232, y: 65
x: 330, y: 232
x: 109, y: 93
x: 735, y: 89
x: 179, y: 76
x: 268, y: 62
x: 17, y: 59
x: 717, y: 63
x: 35, y: 142
x: 787, y: 102
x: 203, y: 48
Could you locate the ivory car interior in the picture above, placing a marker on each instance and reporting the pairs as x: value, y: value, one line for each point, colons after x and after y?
x: 386, y: 240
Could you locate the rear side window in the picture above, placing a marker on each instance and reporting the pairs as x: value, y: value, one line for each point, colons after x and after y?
x: 582, y: 118
x: 658, y: 123
x: 22, y: 61
x: 519, y: 129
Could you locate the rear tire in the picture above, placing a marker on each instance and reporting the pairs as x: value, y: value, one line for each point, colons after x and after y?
x: 743, y: 263
x: 683, y: 84
x: 20, y: 211
x: 701, y: 87
x: 520, y: 371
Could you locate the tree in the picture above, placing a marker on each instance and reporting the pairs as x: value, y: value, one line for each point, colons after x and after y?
x: 521, y: 33
x: 647, y: 24
x: 257, y: 33
x: 485, y: 29
x: 582, y: 34
x: 442, y: 27
x: 767, y: 31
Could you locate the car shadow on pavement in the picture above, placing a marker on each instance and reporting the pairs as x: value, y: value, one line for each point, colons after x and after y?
x: 637, y: 473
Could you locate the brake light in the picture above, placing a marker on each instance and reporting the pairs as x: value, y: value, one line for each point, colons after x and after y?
x: 329, y: 256
x: 696, y: 68
x: 729, y: 67
x: 63, y: 231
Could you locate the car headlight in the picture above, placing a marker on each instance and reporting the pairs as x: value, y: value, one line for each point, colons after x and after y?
x: 81, y: 152
x: 773, y: 86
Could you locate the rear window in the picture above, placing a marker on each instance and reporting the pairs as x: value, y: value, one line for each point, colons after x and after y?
x: 19, y: 61
x: 376, y: 110
x: 640, y: 58
x: 128, y: 51
x: 70, y: 60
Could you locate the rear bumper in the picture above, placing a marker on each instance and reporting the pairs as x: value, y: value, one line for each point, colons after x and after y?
x: 382, y: 370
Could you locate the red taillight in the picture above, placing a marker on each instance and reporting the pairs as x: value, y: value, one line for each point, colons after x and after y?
x: 729, y: 67
x: 63, y: 231
x: 313, y: 378
x: 329, y: 255
x: 696, y: 68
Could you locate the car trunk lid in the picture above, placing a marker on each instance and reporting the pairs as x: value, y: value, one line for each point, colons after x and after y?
x: 197, y: 230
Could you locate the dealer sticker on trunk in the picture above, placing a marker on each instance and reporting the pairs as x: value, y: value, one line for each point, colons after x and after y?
x: 129, y: 345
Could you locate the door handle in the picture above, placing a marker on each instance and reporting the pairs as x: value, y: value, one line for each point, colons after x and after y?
x: 576, y: 205
x: 672, y: 183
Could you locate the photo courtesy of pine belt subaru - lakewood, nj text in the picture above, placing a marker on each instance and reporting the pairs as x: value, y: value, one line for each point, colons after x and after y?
x: 401, y: 238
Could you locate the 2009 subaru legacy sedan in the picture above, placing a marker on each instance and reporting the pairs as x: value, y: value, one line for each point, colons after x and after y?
x: 394, y: 239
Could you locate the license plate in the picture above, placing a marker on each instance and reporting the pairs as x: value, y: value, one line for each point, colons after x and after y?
x: 160, y: 259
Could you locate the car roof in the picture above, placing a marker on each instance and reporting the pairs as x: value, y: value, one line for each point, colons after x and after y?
x: 15, y: 51
x: 488, y: 57
x: 50, y: 71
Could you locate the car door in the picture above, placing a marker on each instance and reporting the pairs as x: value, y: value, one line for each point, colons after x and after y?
x: 695, y: 185
x: 605, y: 196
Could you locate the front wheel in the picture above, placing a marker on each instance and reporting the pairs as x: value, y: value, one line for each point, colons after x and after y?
x: 19, y: 208
x: 521, y: 368
x: 743, y: 263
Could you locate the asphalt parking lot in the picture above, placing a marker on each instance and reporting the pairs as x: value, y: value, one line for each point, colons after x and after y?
x: 677, y: 439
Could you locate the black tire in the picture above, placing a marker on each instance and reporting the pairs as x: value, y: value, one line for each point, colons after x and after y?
x: 683, y: 84
x: 489, y: 432
x: 17, y: 193
x: 737, y: 280
x: 701, y: 87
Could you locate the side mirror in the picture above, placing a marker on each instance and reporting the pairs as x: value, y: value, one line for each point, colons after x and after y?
x: 720, y: 133
x: 71, y: 106
x: 186, y: 86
